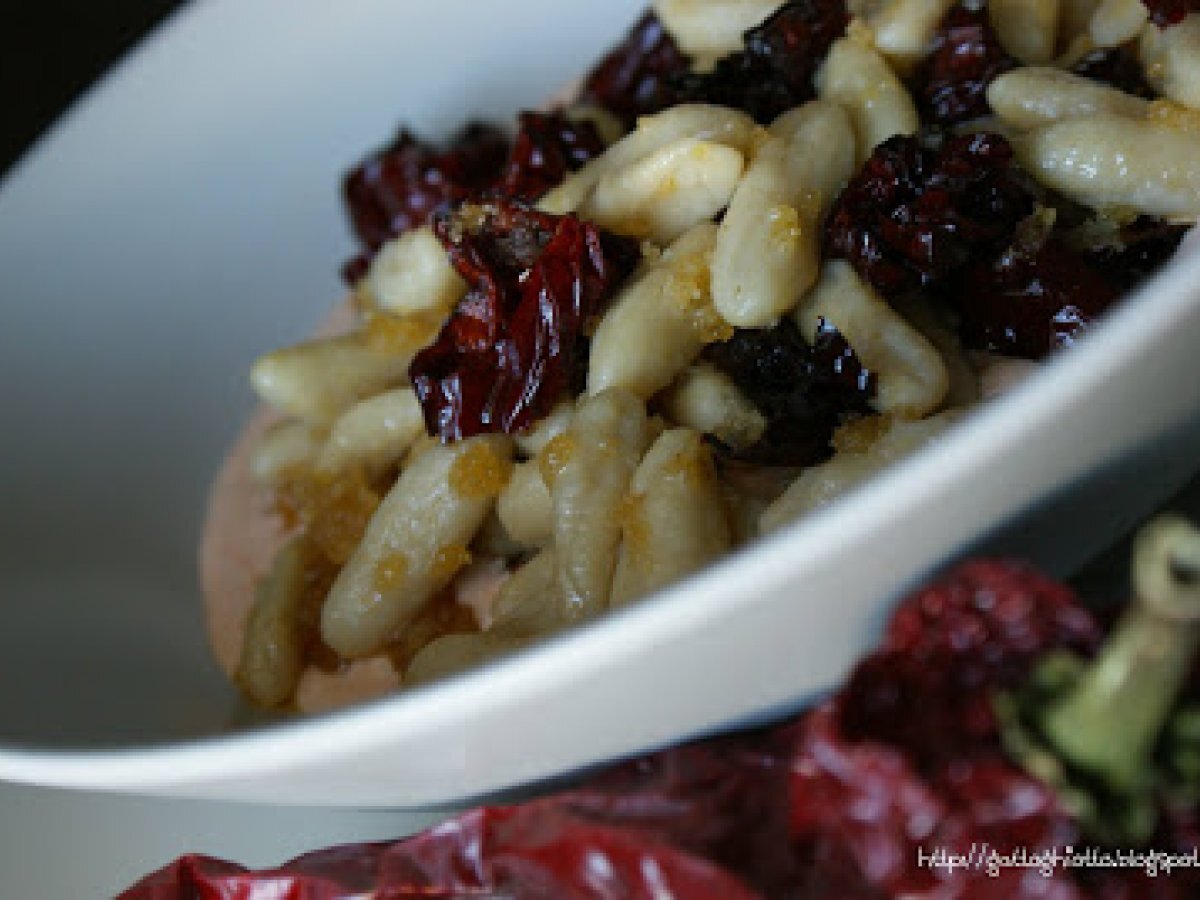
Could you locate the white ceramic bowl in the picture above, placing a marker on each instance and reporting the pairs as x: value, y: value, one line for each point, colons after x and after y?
x: 185, y: 217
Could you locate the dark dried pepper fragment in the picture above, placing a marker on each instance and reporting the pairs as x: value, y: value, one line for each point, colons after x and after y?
x: 510, y: 348
x: 914, y: 216
x: 1035, y: 299
x: 635, y: 78
x: 1030, y: 302
x: 1164, y: 13
x: 803, y: 391
x: 774, y: 73
x: 950, y: 85
x: 547, y: 147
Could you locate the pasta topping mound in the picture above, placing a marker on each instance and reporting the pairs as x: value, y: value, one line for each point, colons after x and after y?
x: 514, y: 344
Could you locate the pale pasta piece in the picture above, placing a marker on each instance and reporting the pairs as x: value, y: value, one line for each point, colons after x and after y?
x: 673, y: 520
x: 965, y: 385
x: 820, y: 485
x: 411, y: 274
x: 662, y: 195
x: 1041, y: 95
x: 284, y: 447
x: 712, y: 27
x: 524, y: 507
x: 273, y: 647
x: 857, y: 77
x: 706, y: 399
x: 768, y: 247
x: 1028, y: 29
x: 699, y: 121
x: 1151, y: 166
x: 589, y: 468
x: 1116, y: 22
x: 374, y: 433
x: 454, y: 653
x: 415, y: 542
x: 905, y: 29
x: 660, y: 321
x: 317, y: 380
x: 530, y: 603
x: 912, y: 378
x: 1171, y: 57
x: 531, y: 441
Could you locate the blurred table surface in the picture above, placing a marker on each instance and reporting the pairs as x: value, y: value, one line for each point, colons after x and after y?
x: 50, y: 53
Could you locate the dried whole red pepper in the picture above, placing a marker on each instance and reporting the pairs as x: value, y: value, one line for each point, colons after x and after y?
x: 513, y: 345
x: 522, y: 852
x: 822, y: 807
x: 927, y: 688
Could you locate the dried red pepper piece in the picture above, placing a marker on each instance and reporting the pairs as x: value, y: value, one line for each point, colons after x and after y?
x: 636, y: 78
x: 774, y: 73
x: 1030, y: 302
x: 915, y: 215
x: 399, y: 187
x: 547, y: 147
x: 1164, y: 13
x: 1037, y: 298
x: 950, y: 84
x: 510, y: 349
